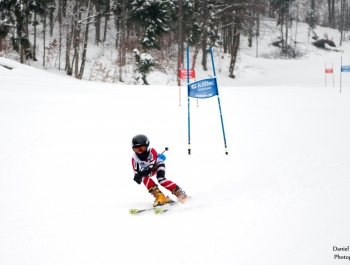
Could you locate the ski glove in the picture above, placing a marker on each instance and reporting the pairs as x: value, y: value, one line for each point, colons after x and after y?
x: 139, y: 175
x: 137, y: 178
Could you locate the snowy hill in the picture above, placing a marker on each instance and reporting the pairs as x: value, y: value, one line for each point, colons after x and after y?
x: 279, y: 197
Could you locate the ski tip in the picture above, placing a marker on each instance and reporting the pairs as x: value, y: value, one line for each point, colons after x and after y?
x: 134, y: 211
x: 186, y: 200
x: 160, y: 210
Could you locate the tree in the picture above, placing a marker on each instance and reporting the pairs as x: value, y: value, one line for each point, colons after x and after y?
x: 44, y: 36
x: 238, y: 11
x: 37, y: 7
x: 180, y: 40
x: 60, y: 25
x: 154, y: 16
x: 144, y: 64
x: 98, y: 6
x: 283, y: 8
x: 76, y: 36
x: 198, y: 36
x: 86, y: 38
x: 311, y: 18
x: 4, y: 30
x: 122, y: 41
x: 16, y: 13
x: 69, y: 12
x: 331, y: 13
x: 343, y: 12
x: 106, y: 13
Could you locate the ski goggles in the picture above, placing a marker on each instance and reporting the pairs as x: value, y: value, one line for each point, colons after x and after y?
x: 140, y: 148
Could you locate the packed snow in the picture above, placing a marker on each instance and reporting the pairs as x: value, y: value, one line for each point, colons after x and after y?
x: 281, y: 195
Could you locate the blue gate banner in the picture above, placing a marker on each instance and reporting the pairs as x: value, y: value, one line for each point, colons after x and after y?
x: 345, y: 68
x: 205, y: 88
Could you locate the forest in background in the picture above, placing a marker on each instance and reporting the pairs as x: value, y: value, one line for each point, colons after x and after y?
x: 150, y: 33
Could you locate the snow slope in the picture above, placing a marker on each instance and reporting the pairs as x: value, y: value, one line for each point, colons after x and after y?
x: 281, y: 196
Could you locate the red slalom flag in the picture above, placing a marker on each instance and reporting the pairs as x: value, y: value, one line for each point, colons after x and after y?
x: 183, y: 73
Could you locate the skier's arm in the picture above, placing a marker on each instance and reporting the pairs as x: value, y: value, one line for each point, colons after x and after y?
x: 136, y: 167
x: 140, y: 173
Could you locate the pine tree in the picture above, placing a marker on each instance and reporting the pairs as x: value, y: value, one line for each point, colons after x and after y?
x: 144, y: 63
x: 154, y: 16
x: 16, y: 12
x: 4, y: 28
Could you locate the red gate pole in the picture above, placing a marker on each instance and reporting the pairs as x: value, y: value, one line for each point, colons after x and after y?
x: 179, y: 78
x: 333, y: 74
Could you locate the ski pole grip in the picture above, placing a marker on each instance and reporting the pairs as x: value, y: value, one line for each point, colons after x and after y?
x: 166, y: 149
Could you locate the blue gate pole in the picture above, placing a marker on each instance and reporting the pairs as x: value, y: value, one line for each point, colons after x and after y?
x: 341, y: 66
x: 221, y: 118
x: 188, y: 100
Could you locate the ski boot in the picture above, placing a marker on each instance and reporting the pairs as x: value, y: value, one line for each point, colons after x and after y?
x: 160, y: 197
x: 180, y: 194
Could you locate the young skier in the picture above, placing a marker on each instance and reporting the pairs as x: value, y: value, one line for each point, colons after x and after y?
x: 146, y: 163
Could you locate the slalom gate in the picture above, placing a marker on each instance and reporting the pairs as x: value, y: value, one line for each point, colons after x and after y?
x: 203, y: 89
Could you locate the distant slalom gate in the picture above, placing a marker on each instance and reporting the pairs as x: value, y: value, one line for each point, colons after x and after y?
x: 343, y: 69
x: 203, y: 89
x: 328, y: 71
x: 183, y: 76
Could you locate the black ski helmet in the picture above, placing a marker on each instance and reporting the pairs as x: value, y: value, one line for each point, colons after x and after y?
x: 139, y: 140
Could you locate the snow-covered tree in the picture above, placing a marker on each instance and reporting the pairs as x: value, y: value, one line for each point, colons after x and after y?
x: 17, y: 12
x: 144, y: 62
x: 4, y: 30
x: 154, y: 16
x: 203, y: 29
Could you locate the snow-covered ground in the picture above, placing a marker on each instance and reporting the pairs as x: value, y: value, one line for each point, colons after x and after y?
x: 281, y: 196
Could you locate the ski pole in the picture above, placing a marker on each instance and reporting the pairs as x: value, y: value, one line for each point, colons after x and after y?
x: 161, y: 156
x: 166, y: 149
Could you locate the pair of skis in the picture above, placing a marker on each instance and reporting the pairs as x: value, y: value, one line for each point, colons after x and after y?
x: 156, y: 210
